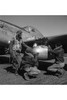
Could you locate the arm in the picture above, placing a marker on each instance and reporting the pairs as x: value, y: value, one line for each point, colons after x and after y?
x: 26, y: 46
x: 28, y: 49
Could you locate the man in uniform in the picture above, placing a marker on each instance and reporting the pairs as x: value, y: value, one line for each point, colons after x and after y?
x: 15, y: 51
x: 58, y: 66
x: 30, y: 60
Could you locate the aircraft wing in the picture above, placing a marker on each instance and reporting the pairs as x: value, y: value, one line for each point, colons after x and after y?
x: 8, y: 30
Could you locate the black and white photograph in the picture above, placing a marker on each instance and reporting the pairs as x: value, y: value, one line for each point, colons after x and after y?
x: 33, y: 50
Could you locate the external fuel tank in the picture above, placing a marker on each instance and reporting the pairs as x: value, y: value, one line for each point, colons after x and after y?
x: 42, y: 50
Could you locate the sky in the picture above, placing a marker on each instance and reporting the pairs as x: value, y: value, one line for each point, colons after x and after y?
x: 47, y: 25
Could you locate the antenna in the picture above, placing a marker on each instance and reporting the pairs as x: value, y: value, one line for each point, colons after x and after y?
x: 13, y: 25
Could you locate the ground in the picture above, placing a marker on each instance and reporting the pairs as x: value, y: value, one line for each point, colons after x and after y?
x: 7, y: 75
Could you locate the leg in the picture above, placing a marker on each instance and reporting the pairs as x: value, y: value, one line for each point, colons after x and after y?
x: 53, y: 68
x: 27, y: 69
x: 56, y: 70
x: 61, y: 70
x: 17, y: 64
x: 31, y: 72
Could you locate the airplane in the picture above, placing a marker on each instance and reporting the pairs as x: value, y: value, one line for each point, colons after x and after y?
x: 8, y: 31
x: 30, y: 36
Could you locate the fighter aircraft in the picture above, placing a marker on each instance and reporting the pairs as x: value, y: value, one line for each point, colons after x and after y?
x: 30, y: 36
x: 8, y: 31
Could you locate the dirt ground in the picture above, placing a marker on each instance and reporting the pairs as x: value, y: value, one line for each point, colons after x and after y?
x: 7, y: 75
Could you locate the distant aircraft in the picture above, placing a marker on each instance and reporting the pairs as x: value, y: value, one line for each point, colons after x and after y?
x: 30, y: 36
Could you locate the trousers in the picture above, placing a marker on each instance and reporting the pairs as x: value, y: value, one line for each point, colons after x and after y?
x: 55, y: 67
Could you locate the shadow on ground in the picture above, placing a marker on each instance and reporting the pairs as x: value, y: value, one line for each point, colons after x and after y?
x: 10, y: 69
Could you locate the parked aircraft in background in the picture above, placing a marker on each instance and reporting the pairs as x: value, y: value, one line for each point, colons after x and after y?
x: 30, y: 36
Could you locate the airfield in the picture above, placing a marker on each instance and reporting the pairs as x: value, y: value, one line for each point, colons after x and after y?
x: 8, y: 77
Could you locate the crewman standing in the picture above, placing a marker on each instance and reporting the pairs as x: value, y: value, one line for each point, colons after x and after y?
x: 15, y: 51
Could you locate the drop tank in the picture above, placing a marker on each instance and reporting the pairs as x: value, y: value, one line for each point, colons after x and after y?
x: 42, y: 50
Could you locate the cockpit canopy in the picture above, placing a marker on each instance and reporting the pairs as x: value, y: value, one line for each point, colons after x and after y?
x: 33, y: 32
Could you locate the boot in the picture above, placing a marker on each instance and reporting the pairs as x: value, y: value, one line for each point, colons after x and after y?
x: 60, y: 72
x: 35, y: 70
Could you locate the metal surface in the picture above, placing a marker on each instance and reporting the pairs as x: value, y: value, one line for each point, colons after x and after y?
x: 42, y: 50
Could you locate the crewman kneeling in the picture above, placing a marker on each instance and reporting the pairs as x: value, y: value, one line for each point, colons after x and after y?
x: 30, y: 61
x: 58, y: 66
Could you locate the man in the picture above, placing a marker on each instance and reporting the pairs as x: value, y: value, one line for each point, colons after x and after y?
x: 58, y: 66
x: 15, y: 51
x: 30, y: 61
